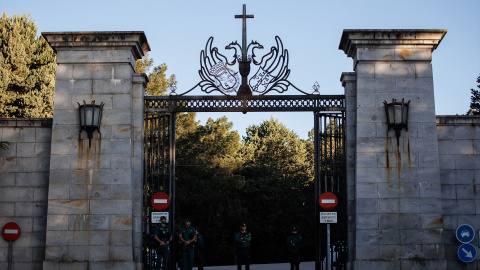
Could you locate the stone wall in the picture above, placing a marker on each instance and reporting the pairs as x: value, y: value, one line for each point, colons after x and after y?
x: 93, y: 206
x: 24, y: 170
x: 459, y: 152
x: 398, y: 206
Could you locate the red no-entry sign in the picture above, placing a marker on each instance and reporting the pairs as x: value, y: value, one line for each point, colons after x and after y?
x: 160, y: 201
x: 11, y: 231
x: 328, y: 201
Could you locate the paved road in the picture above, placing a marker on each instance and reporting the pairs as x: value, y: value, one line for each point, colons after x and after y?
x: 277, y: 266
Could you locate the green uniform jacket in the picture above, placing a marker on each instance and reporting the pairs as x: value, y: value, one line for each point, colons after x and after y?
x: 243, y: 239
x: 163, y: 233
x: 187, y: 233
x: 294, y: 242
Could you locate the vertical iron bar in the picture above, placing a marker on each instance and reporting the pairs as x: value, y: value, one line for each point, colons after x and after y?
x: 165, y: 135
x: 145, y: 183
x: 329, y: 252
x: 172, y: 181
x: 324, y: 152
x: 316, y: 166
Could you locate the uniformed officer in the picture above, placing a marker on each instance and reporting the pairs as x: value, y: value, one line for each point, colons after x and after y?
x: 164, y: 237
x: 187, y: 237
x: 294, y: 241
x: 199, y: 250
x: 242, y: 243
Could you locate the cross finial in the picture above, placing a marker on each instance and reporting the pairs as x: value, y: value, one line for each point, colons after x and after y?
x: 244, y: 16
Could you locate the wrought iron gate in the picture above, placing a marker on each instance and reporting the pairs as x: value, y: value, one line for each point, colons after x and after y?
x: 272, y: 75
x: 329, y: 139
x: 330, y: 176
x: 159, y: 174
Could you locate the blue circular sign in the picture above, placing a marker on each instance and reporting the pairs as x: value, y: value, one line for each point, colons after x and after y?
x: 467, y: 253
x: 465, y: 233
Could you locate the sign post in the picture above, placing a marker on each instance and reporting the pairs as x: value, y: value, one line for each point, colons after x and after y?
x: 328, y: 201
x: 11, y: 231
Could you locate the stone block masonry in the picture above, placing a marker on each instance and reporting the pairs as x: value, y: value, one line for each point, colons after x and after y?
x: 397, y: 216
x: 24, y: 170
x: 91, y: 219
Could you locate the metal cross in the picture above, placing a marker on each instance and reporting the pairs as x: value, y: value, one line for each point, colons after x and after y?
x: 244, y: 16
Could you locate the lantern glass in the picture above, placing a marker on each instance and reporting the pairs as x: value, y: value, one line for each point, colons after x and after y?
x: 397, y: 113
x: 397, y: 116
x: 90, y: 116
x: 97, y: 115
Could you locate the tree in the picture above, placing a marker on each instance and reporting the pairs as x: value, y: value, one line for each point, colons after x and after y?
x: 208, y: 182
x: 27, y: 70
x: 278, y: 192
x: 475, y: 100
x: 158, y: 82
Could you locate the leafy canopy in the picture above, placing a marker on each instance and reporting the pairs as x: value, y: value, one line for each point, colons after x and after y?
x: 158, y: 82
x: 27, y: 70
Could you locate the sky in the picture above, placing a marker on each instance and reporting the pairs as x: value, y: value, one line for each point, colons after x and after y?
x: 177, y: 31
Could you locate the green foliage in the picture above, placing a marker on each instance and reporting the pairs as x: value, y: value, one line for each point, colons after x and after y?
x: 475, y: 100
x: 27, y: 70
x: 4, y: 145
x: 266, y: 180
x: 278, y: 192
x: 208, y: 182
x: 158, y: 82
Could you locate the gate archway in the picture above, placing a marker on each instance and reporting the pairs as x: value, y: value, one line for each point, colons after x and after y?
x: 239, y: 96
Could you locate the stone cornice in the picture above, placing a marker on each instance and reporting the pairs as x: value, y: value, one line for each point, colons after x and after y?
x: 348, y: 77
x: 458, y: 120
x: 134, y: 40
x: 352, y: 39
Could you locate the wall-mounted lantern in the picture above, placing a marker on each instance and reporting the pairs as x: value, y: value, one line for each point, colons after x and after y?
x: 397, y: 116
x: 90, y: 116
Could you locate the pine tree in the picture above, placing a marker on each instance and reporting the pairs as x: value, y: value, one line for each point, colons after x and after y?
x: 475, y: 100
x: 158, y: 82
x: 27, y: 70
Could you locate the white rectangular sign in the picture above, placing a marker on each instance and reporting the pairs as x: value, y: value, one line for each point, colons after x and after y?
x: 157, y: 215
x: 8, y: 231
x: 328, y: 200
x: 328, y: 217
x: 160, y: 201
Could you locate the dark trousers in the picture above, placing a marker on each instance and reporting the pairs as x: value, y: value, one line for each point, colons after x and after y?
x: 294, y: 260
x: 243, y: 258
x: 187, y: 258
x: 163, y: 254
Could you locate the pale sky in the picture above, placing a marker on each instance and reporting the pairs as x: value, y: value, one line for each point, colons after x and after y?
x: 310, y: 30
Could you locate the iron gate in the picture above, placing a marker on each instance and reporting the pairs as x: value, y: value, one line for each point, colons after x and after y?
x: 216, y: 75
x: 330, y: 176
x: 159, y: 172
x: 159, y: 155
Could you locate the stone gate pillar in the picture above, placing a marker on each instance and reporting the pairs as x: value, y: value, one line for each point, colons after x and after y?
x: 396, y: 220
x: 94, y: 195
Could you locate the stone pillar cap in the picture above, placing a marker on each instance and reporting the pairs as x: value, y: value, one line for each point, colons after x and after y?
x: 388, y: 38
x: 134, y: 40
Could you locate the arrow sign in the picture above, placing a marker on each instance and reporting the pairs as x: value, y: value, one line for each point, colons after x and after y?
x: 11, y: 231
x: 465, y: 233
x: 160, y: 201
x: 328, y: 201
x: 467, y: 253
